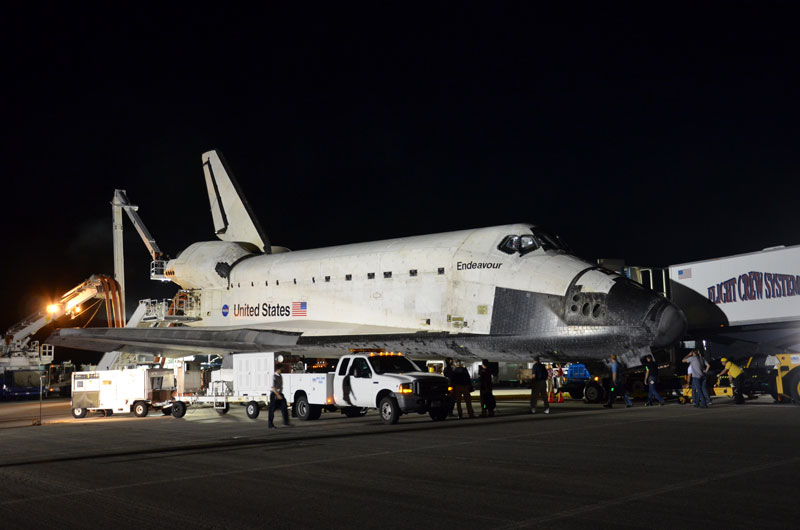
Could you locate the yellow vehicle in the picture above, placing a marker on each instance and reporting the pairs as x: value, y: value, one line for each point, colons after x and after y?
x: 718, y: 390
x: 788, y: 378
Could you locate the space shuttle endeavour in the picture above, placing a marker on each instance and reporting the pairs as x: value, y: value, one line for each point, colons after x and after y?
x: 504, y: 293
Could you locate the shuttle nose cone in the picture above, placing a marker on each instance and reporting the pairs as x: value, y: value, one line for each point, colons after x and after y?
x: 671, y: 326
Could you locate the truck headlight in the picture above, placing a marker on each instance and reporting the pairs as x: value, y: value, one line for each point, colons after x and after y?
x: 405, y: 388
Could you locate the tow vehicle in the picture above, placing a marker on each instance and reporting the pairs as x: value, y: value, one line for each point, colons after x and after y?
x: 387, y: 381
x: 788, y: 376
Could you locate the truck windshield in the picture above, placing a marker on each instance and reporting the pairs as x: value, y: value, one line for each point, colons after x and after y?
x: 392, y: 364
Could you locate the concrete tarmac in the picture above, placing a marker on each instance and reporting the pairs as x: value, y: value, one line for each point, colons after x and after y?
x: 581, y: 466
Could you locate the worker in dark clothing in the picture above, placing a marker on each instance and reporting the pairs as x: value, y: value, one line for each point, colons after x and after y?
x: 617, y: 384
x: 277, y: 399
x: 462, y: 387
x: 651, y: 379
x: 539, y: 386
x: 488, y: 402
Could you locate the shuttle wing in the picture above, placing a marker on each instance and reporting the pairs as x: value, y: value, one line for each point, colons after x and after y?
x: 234, y: 220
x: 174, y: 342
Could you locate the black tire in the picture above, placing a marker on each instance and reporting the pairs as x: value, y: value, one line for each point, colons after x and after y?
x: 316, y: 412
x: 794, y: 387
x: 439, y: 414
x: 389, y: 410
x: 354, y: 412
x: 178, y: 409
x: 108, y: 412
x: 592, y: 394
x: 166, y: 411
x: 79, y: 412
x: 252, y: 409
x: 302, y: 408
x: 223, y: 410
x: 140, y: 409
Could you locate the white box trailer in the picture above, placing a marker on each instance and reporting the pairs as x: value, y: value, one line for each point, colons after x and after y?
x: 130, y: 390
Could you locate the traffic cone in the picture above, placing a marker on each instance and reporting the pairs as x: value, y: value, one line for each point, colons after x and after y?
x: 550, y: 398
x: 561, y: 397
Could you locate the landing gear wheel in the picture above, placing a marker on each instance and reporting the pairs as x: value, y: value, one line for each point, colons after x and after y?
x: 224, y: 410
x: 439, y: 414
x: 302, y: 408
x: 389, y: 410
x: 140, y: 409
x: 354, y: 412
x: 252, y: 410
x: 79, y: 412
x: 178, y: 409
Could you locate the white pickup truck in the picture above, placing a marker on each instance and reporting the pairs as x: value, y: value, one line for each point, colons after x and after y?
x: 387, y: 381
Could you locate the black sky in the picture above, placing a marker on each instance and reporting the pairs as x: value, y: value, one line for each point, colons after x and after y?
x: 658, y: 134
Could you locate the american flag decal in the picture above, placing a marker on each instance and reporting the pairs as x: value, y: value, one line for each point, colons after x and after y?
x: 299, y: 309
x: 684, y: 274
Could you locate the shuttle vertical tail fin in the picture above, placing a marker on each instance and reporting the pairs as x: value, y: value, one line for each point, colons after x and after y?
x: 234, y: 220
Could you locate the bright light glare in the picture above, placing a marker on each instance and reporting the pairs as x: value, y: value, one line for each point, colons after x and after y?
x: 53, y: 308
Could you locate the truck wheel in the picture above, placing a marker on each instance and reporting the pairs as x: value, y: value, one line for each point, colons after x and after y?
x: 166, y: 411
x: 302, y: 408
x: 592, y: 394
x: 178, y: 409
x: 439, y: 414
x: 316, y: 412
x: 794, y: 388
x: 140, y: 409
x: 224, y: 410
x: 79, y: 412
x: 354, y: 412
x: 252, y: 410
x: 389, y: 410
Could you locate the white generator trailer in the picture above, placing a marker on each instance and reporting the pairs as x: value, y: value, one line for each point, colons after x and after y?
x: 130, y: 390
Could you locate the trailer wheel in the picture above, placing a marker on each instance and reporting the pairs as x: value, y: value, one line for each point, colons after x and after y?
x: 223, y: 410
x: 252, y: 410
x: 389, y: 410
x: 79, y: 412
x: 178, y: 409
x: 439, y: 414
x: 140, y: 409
x: 302, y: 408
x: 355, y: 412
x: 166, y: 411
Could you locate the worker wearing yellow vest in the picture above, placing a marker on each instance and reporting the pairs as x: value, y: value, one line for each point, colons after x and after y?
x: 732, y: 369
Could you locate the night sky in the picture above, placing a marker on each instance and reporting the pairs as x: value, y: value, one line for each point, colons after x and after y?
x: 659, y: 134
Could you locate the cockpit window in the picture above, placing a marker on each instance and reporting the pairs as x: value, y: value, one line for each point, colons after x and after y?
x: 549, y: 240
x: 523, y: 244
x: 527, y: 244
x: 509, y: 244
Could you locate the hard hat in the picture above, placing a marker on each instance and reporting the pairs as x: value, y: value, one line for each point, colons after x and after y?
x: 724, y: 360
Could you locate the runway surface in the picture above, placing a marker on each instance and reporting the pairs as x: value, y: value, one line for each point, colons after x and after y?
x: 581, y: 466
